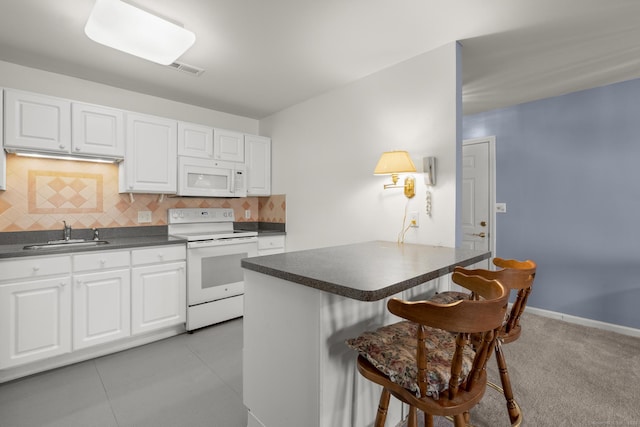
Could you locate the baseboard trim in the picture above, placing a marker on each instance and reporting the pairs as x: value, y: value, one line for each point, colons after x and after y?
x: 624, y: 330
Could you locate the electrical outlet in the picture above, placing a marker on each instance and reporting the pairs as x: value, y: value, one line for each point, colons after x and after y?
x: 501, y: 207
x: 413, y: 219
x: 247, y: 213
x: 144, y: 217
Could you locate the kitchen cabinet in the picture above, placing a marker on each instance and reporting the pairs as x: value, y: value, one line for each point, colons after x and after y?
x: 101, y: 298
x: 258, y: 163
x: 35, y: 309
x: 158, y: 288
x: 150, y: 164
x: 195, y: 140
x: 36, y: 122
x: 97, y: 131
x: 228, y: 145
x: 269, y: 245
x: 3, y: 156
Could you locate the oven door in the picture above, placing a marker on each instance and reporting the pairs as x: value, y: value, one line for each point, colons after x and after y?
x: 214, y: 271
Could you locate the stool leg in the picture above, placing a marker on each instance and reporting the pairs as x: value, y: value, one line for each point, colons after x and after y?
x: 506, y: 383
x: 413, y: 417
x: 459, y: 421
x: 428, y: 420
x: 383, y: 406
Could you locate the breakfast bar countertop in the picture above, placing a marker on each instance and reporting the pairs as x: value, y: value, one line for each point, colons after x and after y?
x: 367, y: 271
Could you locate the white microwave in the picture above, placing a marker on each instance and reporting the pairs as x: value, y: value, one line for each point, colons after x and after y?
x: 210, y: 178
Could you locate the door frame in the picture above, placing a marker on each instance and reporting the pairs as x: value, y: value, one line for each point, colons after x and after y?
x: 491, y: 141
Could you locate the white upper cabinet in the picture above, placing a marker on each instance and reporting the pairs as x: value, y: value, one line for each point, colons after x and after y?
x: 97, y: 131
x: 3, y: 160
x: 37, y: 122
x: 150, y: 164
x: 195, y: 140
x: 228, y: 145
x: 258, y: 162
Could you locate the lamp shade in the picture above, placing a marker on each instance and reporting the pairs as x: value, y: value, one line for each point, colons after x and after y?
x: 124, y: 27
x: 394, y: 162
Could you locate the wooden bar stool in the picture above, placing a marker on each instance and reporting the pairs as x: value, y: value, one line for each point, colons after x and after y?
x: 516, y: 276
x: 429, y: 361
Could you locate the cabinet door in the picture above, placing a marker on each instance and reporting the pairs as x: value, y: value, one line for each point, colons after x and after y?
x: 195, y: 140
x: 101, y: 308
x: 35, y: 320
x: 97, y: 131
x: 37, y: 122
x: 158, y: 297
x: 150, y: 165
x: 3, y: 157
x: 228, y: 145
x: 258, y: 155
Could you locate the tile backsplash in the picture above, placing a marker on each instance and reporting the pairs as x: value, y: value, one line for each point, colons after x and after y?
x: 41, y: 193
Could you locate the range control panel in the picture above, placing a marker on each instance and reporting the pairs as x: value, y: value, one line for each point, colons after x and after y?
x: 199, y: 215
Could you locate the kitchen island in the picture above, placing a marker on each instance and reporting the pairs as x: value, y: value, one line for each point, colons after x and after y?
x: 301, y: 306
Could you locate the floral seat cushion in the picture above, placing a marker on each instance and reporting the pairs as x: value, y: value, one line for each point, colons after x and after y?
x: 448, y: 297
x: 392, y: 350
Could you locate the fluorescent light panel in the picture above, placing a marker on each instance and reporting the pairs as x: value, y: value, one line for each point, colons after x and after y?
x: 124, y: 27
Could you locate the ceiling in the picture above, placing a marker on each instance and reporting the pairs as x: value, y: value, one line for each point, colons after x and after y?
x: 261, y: 56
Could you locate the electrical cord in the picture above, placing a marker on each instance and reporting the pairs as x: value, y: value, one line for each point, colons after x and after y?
x: 404, y: 229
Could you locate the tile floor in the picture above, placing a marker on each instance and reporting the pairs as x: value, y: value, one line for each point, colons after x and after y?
x: 189, y: 380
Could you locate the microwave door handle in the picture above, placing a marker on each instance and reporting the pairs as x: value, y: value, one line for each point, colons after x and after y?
x: 233, y: 182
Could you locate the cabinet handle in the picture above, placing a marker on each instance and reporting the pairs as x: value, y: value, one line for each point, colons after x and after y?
x: 61, y: 146
x: 63, y: 284
x: 103, y: 262
x: 36, y: 268
x: 77, y: 148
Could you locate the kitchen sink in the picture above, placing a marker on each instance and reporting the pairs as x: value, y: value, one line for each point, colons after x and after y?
x: 56, y: 244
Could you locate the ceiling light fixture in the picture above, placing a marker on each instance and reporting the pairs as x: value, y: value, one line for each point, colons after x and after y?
x: 124, y: 27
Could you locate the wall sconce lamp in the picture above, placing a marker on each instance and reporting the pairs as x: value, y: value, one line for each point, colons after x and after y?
x: 393, y: 163
x: 137, y: 32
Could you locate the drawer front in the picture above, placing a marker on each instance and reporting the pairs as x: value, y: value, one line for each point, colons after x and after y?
x: 270, y: 242
x: 100, y: 261
x: 33, y: 267
x: 158, y: 254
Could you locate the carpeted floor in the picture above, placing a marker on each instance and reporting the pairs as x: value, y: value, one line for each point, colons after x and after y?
x: 565, y: 375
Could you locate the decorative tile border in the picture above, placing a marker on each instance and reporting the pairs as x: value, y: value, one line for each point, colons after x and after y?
x: 64, y: 192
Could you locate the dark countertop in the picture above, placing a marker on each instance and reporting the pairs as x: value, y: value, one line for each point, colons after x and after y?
x: 12, y: 244
x: 367, y: 271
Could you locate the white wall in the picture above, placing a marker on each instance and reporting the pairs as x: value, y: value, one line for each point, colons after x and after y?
x: 34, y: 80
x: 325, y: 150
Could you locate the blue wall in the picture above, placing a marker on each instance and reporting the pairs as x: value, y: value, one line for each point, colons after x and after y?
x: 568, y: 169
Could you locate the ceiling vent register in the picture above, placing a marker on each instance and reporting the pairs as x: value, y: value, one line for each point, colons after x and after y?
x: 185, y: 68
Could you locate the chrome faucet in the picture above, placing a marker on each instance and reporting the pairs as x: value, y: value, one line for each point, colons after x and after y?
x: 67, y: 231
x: 96, y: 234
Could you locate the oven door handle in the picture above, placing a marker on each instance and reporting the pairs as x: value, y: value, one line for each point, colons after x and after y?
x: 221, y: 242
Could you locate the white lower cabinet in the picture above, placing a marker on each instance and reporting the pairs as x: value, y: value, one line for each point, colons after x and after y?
x: 158, y: 293
x: 270, y: 245
x: 68, y: 305
x: 35, y: 309
x: 101, y: 298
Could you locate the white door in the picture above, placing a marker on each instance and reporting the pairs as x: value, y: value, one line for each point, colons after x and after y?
x: 151, y: 151
x: 35, y: 321
x: 258, y: 161
x: 228, y: 145
x: 37, y: 122
x: 101, y: 308
x: 478, y: 218
x: 158, y: 297
x: 97, y: 131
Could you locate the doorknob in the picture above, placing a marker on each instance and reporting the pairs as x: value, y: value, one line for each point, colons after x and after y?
x: 479, y: 234
x: 483, y: 223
